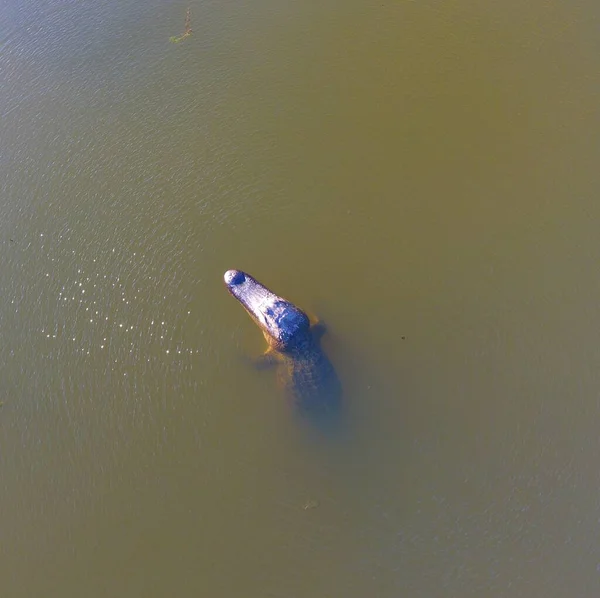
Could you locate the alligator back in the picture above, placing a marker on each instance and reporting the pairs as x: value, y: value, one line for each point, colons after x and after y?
x: 310, y: 381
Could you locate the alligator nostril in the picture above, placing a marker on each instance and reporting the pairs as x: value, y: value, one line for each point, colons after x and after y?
x: 234, y: 277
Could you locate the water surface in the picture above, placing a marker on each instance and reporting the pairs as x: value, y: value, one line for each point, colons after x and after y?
x: 422, y: 175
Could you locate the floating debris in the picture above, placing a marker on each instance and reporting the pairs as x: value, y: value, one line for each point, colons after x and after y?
x: 187, y: 32
x: 310, y: 504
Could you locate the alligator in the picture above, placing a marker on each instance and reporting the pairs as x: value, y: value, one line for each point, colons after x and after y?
x: 304, y: 370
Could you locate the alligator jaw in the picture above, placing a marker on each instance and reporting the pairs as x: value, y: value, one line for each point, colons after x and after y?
x: 282, y: 322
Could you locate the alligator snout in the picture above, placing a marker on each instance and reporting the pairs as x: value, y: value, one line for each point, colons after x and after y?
x: 234, y: 277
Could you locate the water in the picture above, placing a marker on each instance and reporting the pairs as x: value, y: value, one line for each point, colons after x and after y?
x: 421, y: 175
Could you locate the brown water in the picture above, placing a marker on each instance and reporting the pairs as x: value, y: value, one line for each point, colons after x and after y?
x: 423, y: 175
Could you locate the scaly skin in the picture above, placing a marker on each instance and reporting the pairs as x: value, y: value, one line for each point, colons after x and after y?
x: 303, y: 368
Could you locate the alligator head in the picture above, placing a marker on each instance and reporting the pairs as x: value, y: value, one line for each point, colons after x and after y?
x: 282, y: 323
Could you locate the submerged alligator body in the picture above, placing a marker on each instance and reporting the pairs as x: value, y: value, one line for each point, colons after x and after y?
x: 303, y: 368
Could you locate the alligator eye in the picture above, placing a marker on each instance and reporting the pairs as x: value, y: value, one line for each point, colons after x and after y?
x: 234, y: 277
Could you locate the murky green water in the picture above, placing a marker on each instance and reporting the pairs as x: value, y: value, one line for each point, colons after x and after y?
x: 423, y: 175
